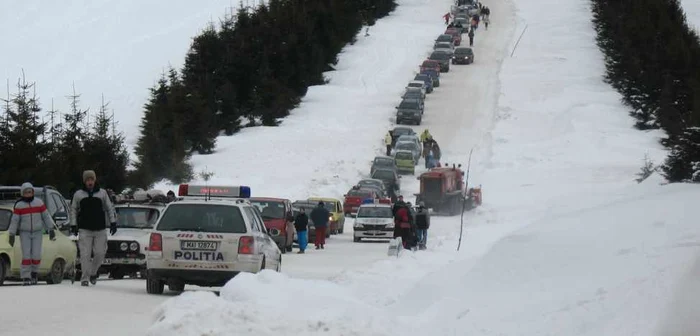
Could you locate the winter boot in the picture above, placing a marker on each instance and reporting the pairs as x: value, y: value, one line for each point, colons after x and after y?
x: 323, y: 247
x: 26, y: 282
x: 84, y: 283
x: 289, y: 249
x: 318, y: 247
x: 93, y: 279
x: 35, y: 278
x: 301, y: 252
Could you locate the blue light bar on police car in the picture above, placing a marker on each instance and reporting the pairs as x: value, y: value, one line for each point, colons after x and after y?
x: 215, y: 191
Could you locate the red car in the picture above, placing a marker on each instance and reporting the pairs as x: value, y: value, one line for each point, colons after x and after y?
x: 275, y: 212
x: 456, y: 35
x: 355, y: 197
x: 430, y: 65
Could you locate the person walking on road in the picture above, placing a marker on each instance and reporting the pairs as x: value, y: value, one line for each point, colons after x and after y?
x: 422, y: 218
x: 447, y: 18
x: 92, y: 210
x: 320, y: 216
x: 301, y: 223
x: 471, y: 38
x: 402, y: 225
x: 30, y: 218
x: 388, y: 139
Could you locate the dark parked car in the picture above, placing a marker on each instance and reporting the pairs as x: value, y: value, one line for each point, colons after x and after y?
x: 435, y: 75
x: 442, y: 58
x: 383, y: 162
x: 409, y: 111
x: 414, y: 94
x: 391, y: 181
x: 463, y: 55
x: 444, y: 38
x: 398, y: 131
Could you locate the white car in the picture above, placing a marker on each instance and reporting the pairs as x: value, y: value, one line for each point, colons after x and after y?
x: 374, y: 220
x: 418, y: 84
x: 206, y: 237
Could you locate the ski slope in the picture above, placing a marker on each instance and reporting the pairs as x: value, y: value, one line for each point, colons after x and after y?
x: 118, y: 49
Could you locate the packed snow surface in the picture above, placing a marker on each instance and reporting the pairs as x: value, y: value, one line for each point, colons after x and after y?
x: 566, y: 242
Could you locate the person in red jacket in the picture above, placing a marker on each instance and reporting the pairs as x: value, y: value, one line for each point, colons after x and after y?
x: 447, y: 18
x: 402, y: 225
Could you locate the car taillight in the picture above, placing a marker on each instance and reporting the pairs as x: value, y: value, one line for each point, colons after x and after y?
x: 156, y: 242
x: 245, y: 245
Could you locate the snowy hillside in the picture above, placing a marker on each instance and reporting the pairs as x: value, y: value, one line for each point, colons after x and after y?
x: 566, y: 242
x: 118, y: 49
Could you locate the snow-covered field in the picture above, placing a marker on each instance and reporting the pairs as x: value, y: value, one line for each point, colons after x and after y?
x: 566, y: 242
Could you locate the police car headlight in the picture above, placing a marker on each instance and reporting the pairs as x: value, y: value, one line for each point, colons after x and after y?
x: 390, y: 225
x: 123, y: 246
x: 330, y: 218
x: 357, y: 224
x: 134, y: 246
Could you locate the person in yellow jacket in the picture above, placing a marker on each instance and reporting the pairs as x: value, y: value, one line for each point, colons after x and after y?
x: 425, y: 135
x: 388, y: 139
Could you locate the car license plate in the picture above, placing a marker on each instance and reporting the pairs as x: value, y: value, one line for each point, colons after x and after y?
x: 198, y: 245
x: 107, y: 262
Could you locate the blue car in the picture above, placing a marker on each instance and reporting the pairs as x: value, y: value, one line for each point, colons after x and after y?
x: 428, y: 82
x: 434, y: 75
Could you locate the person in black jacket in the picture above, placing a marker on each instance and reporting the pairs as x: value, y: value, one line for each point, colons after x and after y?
x: 301, y: 223
x: 320, y: 216
x: 398, y: 205
x: 422, y: 219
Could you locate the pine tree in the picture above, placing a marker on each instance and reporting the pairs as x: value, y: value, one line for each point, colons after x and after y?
x: 24, y: 150
x: 105, y: 151
x: 683, y: 164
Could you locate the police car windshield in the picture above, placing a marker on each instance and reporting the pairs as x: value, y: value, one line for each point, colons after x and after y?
x: 137, y: 218
x: 270, y: 210
x: 202, y: 218
x: 374, y: 212
x: 5, y: 219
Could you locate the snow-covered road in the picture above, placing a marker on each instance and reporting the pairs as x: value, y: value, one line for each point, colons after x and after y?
x: 467, y: 97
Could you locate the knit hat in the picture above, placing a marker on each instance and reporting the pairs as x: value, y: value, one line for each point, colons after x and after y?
x: 89, y: 174
x: 25, y: 186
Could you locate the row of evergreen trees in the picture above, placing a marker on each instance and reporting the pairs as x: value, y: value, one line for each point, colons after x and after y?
x: 652, y: 58
x: 56, y: 151
x: 255, y: 67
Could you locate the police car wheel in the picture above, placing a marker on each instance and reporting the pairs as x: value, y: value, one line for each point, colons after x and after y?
x: 3, y: 270
x: 154, y: 286
x: 262, y: 265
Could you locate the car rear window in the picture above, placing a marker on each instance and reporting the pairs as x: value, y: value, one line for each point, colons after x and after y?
x: 270, y: 209
x: 374, y: 212
x: 383, y: 175
x: 5, y: 219
x: 203, y: 218
x: 404, y: 156
x: 137, y: 218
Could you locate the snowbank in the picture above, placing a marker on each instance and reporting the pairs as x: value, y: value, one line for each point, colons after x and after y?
x: 271, y: 303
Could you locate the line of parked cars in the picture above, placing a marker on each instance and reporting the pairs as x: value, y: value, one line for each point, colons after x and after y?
x: 374, y: 219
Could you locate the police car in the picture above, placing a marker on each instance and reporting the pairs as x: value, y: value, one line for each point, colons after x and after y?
x: 206, y: 237
x: 374, y: 220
